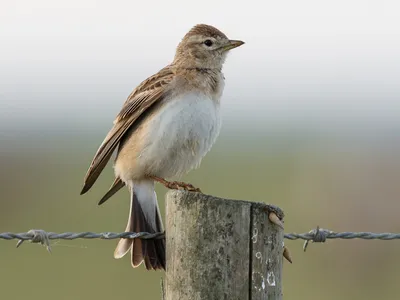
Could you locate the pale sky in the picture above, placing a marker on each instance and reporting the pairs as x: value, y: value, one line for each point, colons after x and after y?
x: 313, y: 62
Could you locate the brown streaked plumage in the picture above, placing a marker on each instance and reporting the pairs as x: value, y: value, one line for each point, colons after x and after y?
x: 143, y: 97
x: 204, y: 30
x: 165, y: 127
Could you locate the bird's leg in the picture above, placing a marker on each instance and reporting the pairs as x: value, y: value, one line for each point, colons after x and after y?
x: 176, y: 185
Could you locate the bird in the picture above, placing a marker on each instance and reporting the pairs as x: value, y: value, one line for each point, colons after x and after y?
x: 164, y: 129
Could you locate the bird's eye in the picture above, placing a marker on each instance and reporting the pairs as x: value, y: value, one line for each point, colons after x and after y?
x: 208, y: 43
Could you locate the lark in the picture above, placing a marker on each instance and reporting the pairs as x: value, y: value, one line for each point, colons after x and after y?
x: 164, y: 129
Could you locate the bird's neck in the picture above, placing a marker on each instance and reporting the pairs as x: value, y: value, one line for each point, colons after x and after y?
x: 207, y: 80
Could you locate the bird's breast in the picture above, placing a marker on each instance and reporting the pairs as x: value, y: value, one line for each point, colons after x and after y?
x: 180, y: 133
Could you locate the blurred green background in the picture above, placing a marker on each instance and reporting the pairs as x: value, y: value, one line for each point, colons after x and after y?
x: 342, y: 189
x: 311, y: 123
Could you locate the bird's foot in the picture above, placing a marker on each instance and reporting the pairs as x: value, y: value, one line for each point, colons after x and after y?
x: 176, y: 185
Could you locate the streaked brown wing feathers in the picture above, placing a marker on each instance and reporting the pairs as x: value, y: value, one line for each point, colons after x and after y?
x: 145, y: 95
x: 147, y: 89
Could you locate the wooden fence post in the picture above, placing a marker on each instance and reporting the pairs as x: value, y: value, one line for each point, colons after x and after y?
x: 221, y: 249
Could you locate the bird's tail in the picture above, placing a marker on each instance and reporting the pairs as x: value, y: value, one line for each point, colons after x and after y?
x: 144, y: 216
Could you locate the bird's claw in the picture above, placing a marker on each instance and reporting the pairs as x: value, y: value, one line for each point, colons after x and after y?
x: 178, y: 185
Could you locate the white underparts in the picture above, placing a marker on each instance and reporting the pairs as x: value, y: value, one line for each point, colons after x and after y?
x: 180, y: 134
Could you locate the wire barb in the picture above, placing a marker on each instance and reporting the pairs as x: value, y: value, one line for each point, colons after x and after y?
x: 319, y: 236
x: 37, y: 236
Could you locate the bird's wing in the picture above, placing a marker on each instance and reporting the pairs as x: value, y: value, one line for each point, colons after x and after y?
x: 150, y: 91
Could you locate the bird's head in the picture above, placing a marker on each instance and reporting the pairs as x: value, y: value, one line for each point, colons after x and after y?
x: 205, y: 47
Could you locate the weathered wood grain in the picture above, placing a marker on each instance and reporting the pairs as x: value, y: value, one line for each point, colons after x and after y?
x: 220, y: 249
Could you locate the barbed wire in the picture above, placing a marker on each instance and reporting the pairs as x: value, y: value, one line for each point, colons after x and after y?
x: 318, y: 235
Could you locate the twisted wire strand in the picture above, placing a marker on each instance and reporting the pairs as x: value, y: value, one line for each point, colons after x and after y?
x: 318, y: 235
x: 386, y: 236
x: 33, y: 234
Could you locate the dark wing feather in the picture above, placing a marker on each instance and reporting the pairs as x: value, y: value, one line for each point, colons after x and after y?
x: 144, y: 96
x: 116, y: 186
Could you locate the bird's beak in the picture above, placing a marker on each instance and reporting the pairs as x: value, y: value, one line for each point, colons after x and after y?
x: 232, y: 44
